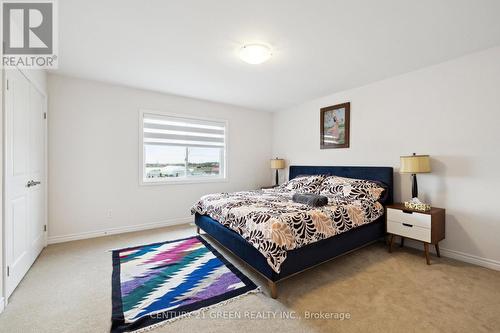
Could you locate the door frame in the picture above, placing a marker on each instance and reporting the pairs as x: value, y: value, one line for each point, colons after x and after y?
x: 36, y: 85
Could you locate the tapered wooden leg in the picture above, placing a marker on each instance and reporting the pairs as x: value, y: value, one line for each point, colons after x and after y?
x: 437, y: 250
x: 391, y: 241
x: 426, y: 247
x: 402, y: 242
x: 197, y: 230
x: 273, y: 289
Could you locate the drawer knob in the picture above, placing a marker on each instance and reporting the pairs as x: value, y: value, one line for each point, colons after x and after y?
x: 408, y: 225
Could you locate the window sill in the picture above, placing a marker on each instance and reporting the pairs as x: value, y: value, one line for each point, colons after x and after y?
x: 184, y: 181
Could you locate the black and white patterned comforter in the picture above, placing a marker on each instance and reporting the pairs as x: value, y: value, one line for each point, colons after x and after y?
x: 274, y: 224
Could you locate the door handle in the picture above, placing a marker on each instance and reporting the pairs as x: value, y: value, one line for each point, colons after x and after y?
x: 32, y: 183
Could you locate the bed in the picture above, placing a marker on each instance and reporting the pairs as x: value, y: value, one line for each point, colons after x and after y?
x: 310, y: 255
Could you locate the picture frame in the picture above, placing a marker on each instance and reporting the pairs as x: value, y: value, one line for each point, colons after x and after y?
x: 335, y: 126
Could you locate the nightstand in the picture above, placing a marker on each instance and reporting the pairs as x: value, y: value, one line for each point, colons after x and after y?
x: 268, y: 187
x: 427, y: 227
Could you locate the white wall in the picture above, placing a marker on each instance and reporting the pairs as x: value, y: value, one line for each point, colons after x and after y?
x: 450, y: 111
x: 93, y: 158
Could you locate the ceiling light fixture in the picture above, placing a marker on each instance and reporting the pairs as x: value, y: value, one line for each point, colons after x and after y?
x: 255, y: 53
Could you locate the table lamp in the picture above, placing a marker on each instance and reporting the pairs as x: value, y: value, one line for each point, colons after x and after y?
x: 277, y: 164
x: 415, y: 164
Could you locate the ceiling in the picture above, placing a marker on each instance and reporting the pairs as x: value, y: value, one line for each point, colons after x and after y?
x: 189, y: 47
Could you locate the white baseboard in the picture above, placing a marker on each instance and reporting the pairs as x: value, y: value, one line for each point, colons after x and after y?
x: 118, y: 230
x: 2, y: 304
x: 471, y: 259
x: 461, y: 256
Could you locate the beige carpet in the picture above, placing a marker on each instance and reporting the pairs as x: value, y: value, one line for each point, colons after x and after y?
x: 68, y: 289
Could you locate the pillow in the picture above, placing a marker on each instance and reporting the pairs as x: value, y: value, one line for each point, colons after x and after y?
x: 351, y: 189
x: 385, y: 194
x: 303, y: 184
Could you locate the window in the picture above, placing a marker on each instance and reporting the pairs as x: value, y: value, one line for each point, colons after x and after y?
x: 177, y: 148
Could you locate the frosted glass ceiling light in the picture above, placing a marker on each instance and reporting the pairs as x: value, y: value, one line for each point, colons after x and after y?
x: 255, y: 53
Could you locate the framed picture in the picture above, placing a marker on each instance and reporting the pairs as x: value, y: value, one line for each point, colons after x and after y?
x: 334, y: 131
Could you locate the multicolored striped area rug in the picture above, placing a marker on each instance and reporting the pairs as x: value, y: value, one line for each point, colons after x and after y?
x: 157, y: 283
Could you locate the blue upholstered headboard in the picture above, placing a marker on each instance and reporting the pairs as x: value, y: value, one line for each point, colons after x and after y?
x: 381, y: 174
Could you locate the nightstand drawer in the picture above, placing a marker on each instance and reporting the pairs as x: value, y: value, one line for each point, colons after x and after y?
x: 413, y: 218
x: 408, y: 230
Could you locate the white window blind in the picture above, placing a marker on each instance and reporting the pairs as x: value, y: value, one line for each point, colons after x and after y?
x: 177, y: 148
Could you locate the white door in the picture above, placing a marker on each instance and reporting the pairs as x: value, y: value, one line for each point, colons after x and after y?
x: 24, y: 176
